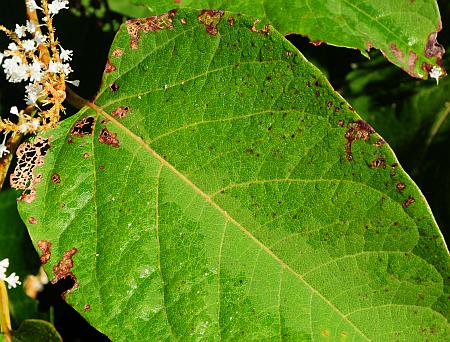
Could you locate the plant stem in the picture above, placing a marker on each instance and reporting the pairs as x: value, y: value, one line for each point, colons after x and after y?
x: 4, y: 312
x: 74, y: 99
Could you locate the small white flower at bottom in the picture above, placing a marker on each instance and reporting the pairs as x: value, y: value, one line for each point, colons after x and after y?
x: 436, y: 73
x: 12, y: 280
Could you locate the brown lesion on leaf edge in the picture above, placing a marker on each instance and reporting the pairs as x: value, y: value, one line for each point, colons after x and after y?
x: 211, y: 20
x: 109, y: 68
x: 359, y: 130
x: 154, y: 23
x: 63, y: 269
x: 120, y: 112
x: 29, y: 156
x: 44, y: 246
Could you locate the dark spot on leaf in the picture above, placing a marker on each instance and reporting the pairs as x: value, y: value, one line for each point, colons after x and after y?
x: 83, y: 127
x: 380, y: 142
x: 394, y: 169
x: 56, y: 179
x: 341, y: 123
x: 410, y: 200
x: 400, y: 186
x: 325, y: 333
x: 86, y: 155
x: 29, y: 156
x: 32, y: 220
x: 330, y: 104
x: 70, y: 140
x: 154, y: 23
x: 359, y: 130
x: 230, y: 21
x: 380, y: 162
x: 183, y: 21
x: 114, y: 87
x: 101, y: 167
x: 211, y: 19
x: 121, y: 111
x: 108, y: 138
x: 86, y: 307
x: 44, y: 246
x: 109, y: 68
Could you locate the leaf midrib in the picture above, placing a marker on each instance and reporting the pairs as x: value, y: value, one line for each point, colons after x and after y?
x: 229, y: 218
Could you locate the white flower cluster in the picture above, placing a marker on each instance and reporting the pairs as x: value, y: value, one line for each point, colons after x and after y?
x: 12, y: 280
x: 39, y: 60
x: 436, y: 73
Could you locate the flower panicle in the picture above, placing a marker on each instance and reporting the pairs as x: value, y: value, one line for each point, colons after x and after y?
x: 36, y: 58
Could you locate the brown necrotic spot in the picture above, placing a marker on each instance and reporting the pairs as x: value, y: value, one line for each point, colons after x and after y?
x: 359, y: 130
x: 341, y: 123
x: 121, y: 111
x: 45, y: 246
x: 114, y: 87
x: 397, y: 52
x: 211, y: 19
x: 86, y: 307
x: 433, y: 48
x: 407, y: 202
x: 109, y: 67
x: 83, y: 127
x: 32, y: 220
x: 29, y: 155
x: 400, y: 186
x: 86, y: 155
x: 230, y: 21
x: 117, y: 52
x: 183, y: 21
x: 56, y: 179
x: 265, y: 29
x: 63, y: 268
x: 106, y: 137
x: 379, y: 162
x: 155, y: 23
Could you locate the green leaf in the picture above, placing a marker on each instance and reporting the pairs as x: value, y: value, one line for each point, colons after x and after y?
x: 34, y: 330
x: 15, y: 244
x: 404, y: 30
x: 415, y: 120
x: 211, y: 193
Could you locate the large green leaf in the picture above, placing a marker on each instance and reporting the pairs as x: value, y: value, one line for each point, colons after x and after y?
x: 404, y: 30
x: 220, y: 189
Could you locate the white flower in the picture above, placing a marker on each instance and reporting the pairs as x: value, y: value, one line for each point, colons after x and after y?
x: 31, y: 27
x: 39, y: 38
x: 23, y: 128
x: 32, y: 93
x: 435, y: 73
x: 32, y: 5
x: 35, y: 124
x: 66, y: 68
x: 13, y: 47
x: 4, y: 264
x: 15, y: 70
x: 35, y: 71
x: 21, y: 31
x: 14, y: 111
x: 57, y: 5
x: 12, y: 280
x: 53, y: 67
x: 66, y: 55
x: 76, y: 83
x: 28, y: 45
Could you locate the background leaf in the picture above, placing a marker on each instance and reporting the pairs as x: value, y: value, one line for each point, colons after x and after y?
x: 211, y: 193
x: 403, y: 30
